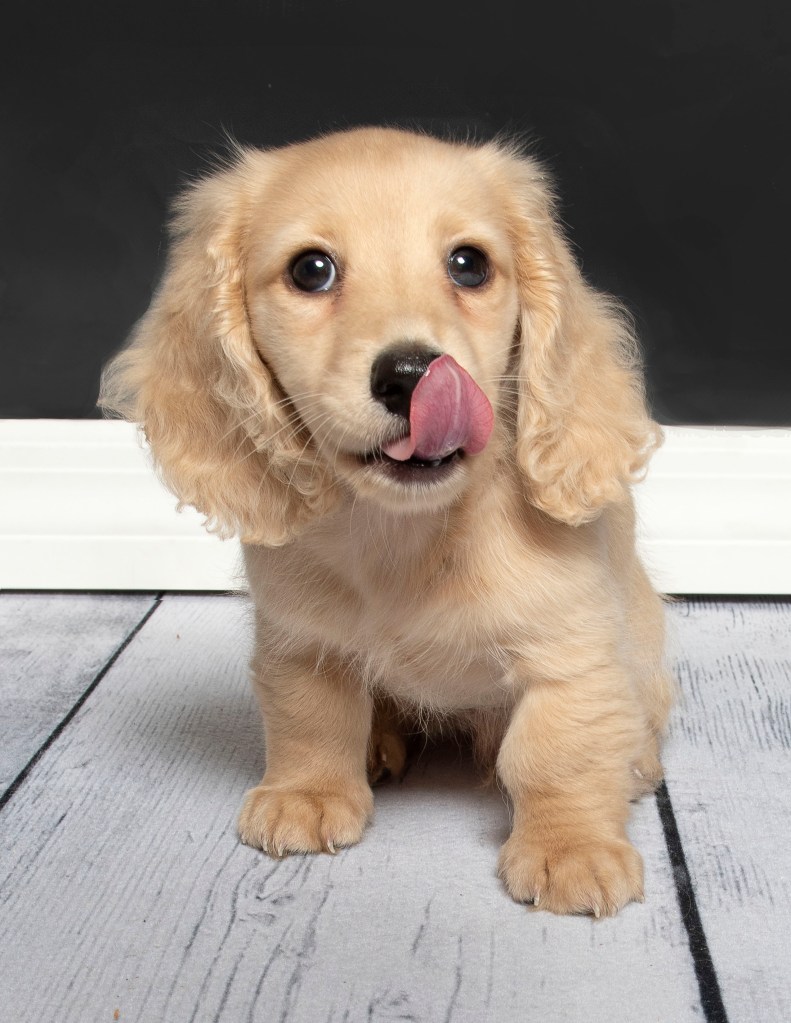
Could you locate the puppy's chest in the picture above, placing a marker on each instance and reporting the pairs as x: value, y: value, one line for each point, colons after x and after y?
x: 431, y: 640
x: 427, y: 658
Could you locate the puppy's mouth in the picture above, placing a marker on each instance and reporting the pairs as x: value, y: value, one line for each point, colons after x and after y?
x: 413, y: 469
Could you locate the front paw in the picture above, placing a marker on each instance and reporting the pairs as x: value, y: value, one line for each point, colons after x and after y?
x: 284, y: 820
x: 592, y: 876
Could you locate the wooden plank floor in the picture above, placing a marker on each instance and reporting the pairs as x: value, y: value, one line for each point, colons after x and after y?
x: 51, y: 651
x: 129, y: 735
x: 728, y: 767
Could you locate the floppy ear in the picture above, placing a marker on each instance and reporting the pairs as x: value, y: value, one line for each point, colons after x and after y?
x: 583, y: 431
x: 223, y: 438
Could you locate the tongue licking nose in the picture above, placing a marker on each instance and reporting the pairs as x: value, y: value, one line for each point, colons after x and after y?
x: 448, y: 412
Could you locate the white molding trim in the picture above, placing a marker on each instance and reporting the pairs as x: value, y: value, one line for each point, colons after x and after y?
x: 81, y: 509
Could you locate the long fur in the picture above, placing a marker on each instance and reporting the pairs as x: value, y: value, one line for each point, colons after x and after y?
x: 510, y: 599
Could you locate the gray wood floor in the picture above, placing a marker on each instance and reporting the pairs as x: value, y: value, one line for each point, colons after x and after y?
x: 128, y: 736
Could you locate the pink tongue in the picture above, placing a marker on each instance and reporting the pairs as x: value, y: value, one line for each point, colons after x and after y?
x: 448, y: 411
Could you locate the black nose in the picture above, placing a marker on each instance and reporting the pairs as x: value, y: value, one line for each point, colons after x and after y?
x: 395, y: 373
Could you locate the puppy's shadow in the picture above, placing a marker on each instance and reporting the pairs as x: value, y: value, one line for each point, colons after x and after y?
x: 211, y: 728
x: 443, y: 781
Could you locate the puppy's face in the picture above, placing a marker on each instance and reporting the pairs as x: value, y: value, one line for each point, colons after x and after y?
x: 346, y: 310
x: 365, y: 260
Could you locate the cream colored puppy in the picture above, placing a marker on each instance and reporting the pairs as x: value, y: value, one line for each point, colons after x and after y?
x: 374, y: 359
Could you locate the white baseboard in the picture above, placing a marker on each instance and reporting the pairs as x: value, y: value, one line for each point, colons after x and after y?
x: 81, y: 509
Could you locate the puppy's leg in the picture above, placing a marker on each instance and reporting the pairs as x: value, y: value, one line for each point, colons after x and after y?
x: 314, y: 795
x: 386, y: 747
x: 566, y: 761
x: 655, y: 685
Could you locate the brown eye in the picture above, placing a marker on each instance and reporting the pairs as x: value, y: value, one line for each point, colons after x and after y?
x: 313, y: 271
x: 468, y: 267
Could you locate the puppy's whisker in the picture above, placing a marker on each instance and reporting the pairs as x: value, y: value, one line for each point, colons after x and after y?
x: 341, y: 440
x: 240, y: 426
x: 312, y: 429
x: 295, y: 418
x: 259, y: 445
x: 282, y: 403
x: 256, y: 411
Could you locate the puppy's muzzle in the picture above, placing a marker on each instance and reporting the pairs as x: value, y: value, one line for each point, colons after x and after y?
x: 446, y: 412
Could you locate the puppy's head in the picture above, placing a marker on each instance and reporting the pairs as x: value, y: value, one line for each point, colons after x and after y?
x: 356, y: 315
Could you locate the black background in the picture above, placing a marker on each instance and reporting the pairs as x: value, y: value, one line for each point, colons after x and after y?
x: 664, y: 122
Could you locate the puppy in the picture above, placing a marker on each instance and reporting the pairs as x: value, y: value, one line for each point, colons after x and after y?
x: 374, y: 359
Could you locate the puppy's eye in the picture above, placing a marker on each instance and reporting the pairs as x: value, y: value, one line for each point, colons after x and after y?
x: 468, y: 267
x: 313, y: 271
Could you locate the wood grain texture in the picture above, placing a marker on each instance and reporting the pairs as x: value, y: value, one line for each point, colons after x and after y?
x: 123, y: 885
x: 51, y: 648
x: 729, y: 777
